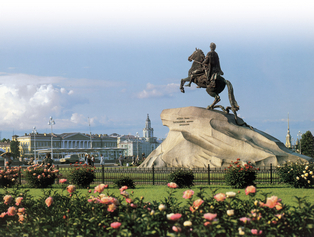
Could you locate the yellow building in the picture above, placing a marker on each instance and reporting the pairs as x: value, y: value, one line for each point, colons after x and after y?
x: 68, y: 143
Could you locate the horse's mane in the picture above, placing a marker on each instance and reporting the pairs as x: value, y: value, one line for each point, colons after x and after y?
x: 201, y: 52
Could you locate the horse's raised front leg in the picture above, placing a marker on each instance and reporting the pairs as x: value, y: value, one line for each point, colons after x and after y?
x: 182, y: 83
x: 181, y: 86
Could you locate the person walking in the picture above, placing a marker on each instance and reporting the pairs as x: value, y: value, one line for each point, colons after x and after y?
x: 89, y: 160
x: 121, y: 160
x: 102, y: 160
x: 93, y: 160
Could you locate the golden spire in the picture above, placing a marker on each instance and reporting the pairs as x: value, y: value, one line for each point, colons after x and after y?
x: 288, y: 137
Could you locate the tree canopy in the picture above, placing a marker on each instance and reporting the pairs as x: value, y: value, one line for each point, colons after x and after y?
x: 14, y: 147
x: 307, y: 144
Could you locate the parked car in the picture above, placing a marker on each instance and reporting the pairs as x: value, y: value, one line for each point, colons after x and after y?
x: 70, y: 159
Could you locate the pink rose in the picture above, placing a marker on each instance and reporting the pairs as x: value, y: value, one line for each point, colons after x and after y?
x: 62, y: 181
x: 172, y: 185
x: 175, y: 217
x: 111, y: 207
x: 272, y: 202
x: 245, y: 220
x: 115, y: 225
x: 210, y: 216
x: 18, y: 201
x: 128, y: 200
x: 220, y: 197
x: 256, y: 232
x: 188, y: 194
x: 176, y: 229
x: 123, y: 188
x: 21, y: 210
x: 250, y: 189
x: 71, y: 188
x: 11, y: 211
x: 49, y: 201
x: 100, y: 188
x: 197, y: 203
x: 7, y: 199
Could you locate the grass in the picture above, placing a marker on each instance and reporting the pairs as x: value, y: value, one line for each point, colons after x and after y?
x: 159, y: 192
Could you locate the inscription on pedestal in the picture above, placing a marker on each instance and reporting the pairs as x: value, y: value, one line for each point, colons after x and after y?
x: 183, y: 121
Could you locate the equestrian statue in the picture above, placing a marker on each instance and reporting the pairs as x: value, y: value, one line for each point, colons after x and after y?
x: 205, y: 72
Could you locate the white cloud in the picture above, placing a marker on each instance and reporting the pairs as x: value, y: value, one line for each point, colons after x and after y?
x: 158, y: 90
x: 27, y: 100
x: 78, y: 119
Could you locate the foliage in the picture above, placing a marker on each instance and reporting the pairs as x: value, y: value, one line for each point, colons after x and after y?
x: 55, y: 214
x: 81, y: 175
x: 125, y: 181
x: 5, y: 140
x: 240, y: 175
x: 298, y: 174
x: 183, y: 178
x: 9, y: 177
x: 14, y: 146
x: 307, y: 144
x: 40, y: 176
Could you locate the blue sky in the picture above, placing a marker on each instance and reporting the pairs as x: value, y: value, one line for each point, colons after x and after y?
x: 117, y: 61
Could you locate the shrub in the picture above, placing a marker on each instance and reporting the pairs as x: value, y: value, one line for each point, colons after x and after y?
x: 8, y: 177
x: 81, y: 175
x: 39, y: 176
x: 125, y: 181
x: 183, y: 178
x: 240, y: 175
x: 298, y: 175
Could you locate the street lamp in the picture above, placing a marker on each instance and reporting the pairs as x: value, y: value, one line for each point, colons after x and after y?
x: 137, y: 144
x: 34, y: 131
x: 293, y: 142
x: 300, y: 136
x: 51, y: 122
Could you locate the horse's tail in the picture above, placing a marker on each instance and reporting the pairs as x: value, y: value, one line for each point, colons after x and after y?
x: 233, y: 102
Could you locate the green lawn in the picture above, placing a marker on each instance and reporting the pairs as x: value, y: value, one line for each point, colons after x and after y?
x: 158, y: 192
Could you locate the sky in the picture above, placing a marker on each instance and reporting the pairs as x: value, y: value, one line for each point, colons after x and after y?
x: 110, y: 63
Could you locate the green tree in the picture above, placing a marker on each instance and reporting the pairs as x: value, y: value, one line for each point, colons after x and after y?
x: 14, y: 147
x: 307, y: 144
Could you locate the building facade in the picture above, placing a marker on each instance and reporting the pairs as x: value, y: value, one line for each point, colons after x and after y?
x: 139, y: 146
x: 68, y: 143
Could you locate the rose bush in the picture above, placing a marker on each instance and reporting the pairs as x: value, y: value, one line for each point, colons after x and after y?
x: 9, y: 176
x: 297, y: 174
x: 240, y: 175
x: 81, y: 175
x: 40, y: 176
x: 182, y: 177
x: 221, y: 214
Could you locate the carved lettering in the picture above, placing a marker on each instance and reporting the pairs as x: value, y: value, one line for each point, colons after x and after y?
x: 178, y: 121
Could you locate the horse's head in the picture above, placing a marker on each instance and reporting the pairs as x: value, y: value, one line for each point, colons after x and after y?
x: 197, y: 55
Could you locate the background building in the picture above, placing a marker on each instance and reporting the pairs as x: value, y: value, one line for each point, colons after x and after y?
x: 111, y: 146
x: 138, y: 146
x: 68, y: 143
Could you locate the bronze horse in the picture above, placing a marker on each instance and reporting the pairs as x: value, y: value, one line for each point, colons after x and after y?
x: 213, y: 87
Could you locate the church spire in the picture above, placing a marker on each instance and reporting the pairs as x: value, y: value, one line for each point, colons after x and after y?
x: 148, y: 131
x: 288, y: 136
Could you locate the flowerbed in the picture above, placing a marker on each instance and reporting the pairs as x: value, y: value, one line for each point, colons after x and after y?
x: 101, y: 214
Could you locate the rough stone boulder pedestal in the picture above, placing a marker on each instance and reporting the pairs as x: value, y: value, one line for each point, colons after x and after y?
x: 198, y: 137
